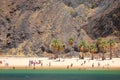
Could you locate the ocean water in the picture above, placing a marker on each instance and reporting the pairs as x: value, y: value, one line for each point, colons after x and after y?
x: 59, y: 74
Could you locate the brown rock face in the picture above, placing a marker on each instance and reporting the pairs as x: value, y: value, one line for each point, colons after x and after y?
x: 105, y: 23
x: 28, y: 26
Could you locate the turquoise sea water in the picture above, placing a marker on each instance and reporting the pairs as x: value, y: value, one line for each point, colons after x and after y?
x: 59, y: 74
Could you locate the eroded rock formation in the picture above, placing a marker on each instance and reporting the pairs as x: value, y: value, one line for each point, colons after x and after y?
x: 28, y: 26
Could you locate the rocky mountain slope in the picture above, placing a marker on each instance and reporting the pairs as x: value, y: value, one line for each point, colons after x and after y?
x: 28, y: 26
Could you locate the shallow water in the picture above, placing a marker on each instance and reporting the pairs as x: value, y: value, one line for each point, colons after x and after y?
x: 59, y: 75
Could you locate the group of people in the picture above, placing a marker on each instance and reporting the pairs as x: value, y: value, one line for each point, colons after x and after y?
x: 34, y: 63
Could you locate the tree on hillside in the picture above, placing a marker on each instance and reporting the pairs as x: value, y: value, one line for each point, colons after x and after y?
x: 93, y: 49
x: 98, y: 43
x: 83, y: 47
x: 103, y: 49
x: 62, y: 48
x: 71, y: 42
x: 57, y: 46
x: 111, y: 43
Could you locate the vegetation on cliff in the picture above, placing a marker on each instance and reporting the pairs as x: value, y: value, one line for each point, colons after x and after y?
x: 27, y: 27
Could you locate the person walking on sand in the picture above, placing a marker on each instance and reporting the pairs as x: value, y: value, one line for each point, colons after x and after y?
x: 71, y: 64
x: 41, y: 64
x: 84, y: 62
x: 108, y: 65
x: 34, y: 64
x: 67, y: 66
x: 98, y: 64
x: 92, y: 65
x: 49, y: 64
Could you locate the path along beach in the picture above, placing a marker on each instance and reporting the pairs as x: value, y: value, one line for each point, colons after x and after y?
x: 66, y: 63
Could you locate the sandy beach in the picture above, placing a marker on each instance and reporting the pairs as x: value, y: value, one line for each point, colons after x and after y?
x: 67, y: 63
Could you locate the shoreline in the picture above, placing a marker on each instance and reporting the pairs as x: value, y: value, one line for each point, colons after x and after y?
x: 55, y: 64
x: 58, y: 68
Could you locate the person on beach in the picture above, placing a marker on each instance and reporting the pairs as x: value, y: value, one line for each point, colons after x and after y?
x: 13, y: 67
x: 6, y: 64
x: 34, y: 64
x: 98, y: 64
x: 41, y: 64
x: 84, y: 62
x: 71, y: 64
x: 108, y: 65
x: 67, y: 66
x: 29, y: 63
x: 92, y: 65
x: 0, y: 62
x: 49, y: 64
x: 63, y: 60
x: 77, y: 60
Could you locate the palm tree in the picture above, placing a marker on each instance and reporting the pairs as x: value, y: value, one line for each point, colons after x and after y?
x: 99, y: 42
x: 111, y: 43
x: 71, y: 42
x: 62, y: 48
x: 103, y: 49
x: 56, y: 45
x: 93, y: 49
x: 83, y: 48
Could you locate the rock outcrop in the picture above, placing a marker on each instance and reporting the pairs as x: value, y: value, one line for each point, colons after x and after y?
x: 28, y: 26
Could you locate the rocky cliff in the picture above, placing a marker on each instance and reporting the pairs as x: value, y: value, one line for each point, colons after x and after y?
x: 28, y: 26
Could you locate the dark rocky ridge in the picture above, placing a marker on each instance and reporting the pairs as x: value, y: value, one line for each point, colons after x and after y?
x: 28, y: 26
x: 105, y: 23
